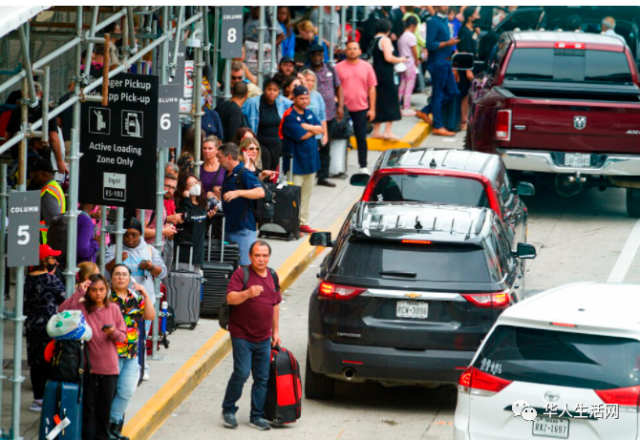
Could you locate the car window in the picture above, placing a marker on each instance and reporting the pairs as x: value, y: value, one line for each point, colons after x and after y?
x: 437, y: 262
x: 504, y: 243
x: 505, y: 192
x: 572, y: 65
x: 561, y: 358
x: 430, y: 189
x: 497, y: 55
x: 503, y: 255
x: 495, y: 264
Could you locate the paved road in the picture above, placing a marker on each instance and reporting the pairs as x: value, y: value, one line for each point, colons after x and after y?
x: 578, y: 239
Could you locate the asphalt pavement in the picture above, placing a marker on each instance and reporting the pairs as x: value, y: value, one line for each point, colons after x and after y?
x: 585, y: 238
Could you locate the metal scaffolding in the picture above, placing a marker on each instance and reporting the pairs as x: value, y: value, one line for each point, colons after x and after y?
x: 150, y: 42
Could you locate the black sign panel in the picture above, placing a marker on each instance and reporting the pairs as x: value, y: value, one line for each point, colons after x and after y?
x: 118, y: 144
x: 231, y: 41
x: 23, y: 235
x: 169, y: 114
x: 180, y: 64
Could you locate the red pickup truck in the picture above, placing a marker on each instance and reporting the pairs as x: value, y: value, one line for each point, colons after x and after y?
x: 564, y: 106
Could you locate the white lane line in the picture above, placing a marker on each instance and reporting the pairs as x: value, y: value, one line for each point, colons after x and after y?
x: 626, y: 257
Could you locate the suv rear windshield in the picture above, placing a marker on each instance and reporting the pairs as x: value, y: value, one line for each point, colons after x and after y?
x: 434, y: 262
x: 430, y: 189
x: 561, y: 358
x: 569, y: 65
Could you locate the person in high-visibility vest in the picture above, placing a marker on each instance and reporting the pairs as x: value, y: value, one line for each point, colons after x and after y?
x: 52, y: 200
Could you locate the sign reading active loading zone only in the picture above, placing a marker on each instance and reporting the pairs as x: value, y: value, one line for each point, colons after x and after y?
x: 119, y: 144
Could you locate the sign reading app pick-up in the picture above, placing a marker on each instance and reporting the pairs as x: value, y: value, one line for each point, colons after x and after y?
x: 119, y: 144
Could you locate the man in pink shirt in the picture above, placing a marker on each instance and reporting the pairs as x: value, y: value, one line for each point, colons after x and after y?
x: 359, y: 88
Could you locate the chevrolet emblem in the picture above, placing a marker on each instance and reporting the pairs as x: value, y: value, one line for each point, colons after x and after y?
x: 413, y: 295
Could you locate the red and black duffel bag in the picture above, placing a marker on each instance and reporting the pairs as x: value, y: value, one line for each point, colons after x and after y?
x: 285, y: 388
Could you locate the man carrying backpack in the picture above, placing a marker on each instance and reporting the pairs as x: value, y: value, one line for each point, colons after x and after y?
x: 238, y: 192
x: 254, y: 296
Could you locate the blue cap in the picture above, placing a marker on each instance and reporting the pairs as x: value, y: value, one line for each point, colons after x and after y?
x: 299, y: 91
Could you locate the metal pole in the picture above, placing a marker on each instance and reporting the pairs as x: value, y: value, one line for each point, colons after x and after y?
x: 118, y: 232
x: 24, y: 44
x: 45, y: 104
x: 197, y: 112
x: 103, y: 238
x: 3, y: 268
x: 164, y: 59
x: 320, y: 23
x: 17, y: 317
x: 216, y: 54
x: 366, y: 13
x: 92, y: 33
x: 72, y: 212
x: 132, y: 45
x: 332, y: 41
x: 174, y: 62
x: 274, y: 23
x: 343, y: 28
x: 354, y: 22
x: 207, y: 40
x: 227, y: 79
x: 261, y: 28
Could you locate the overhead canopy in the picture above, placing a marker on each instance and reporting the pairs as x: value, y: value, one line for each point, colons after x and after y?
x: 11, y: 17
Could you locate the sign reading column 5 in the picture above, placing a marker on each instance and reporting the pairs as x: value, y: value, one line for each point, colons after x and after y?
x: 23, y: 246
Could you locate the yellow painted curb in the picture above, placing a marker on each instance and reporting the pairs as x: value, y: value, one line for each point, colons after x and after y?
x: 412, y: 139
x: 151, y: 417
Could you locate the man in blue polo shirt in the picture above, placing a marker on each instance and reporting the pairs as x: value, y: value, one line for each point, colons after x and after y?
x: 237, y: 202
x: 298, y: 129
x: 440, y: 47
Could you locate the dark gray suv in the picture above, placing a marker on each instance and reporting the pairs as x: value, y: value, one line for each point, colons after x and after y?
x: 407, y: 294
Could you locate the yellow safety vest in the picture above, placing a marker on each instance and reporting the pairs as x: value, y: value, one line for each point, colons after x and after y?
x: 55, y: 190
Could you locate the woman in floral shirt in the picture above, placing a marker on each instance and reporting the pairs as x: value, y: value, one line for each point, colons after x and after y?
x: 132, y: 304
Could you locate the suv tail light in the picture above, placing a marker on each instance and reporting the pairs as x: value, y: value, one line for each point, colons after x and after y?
x: 474, y: 381
x: 338, y: 292
x: 488, y: 300
x: 503, y: 125
x: 569, y: 45
x: 621, y: 396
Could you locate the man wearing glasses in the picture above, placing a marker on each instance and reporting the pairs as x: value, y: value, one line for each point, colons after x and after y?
x: 238, y: 74
x: 142, y: 259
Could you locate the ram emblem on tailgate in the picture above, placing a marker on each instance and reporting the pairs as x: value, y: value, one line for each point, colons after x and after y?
x: 579, y: 122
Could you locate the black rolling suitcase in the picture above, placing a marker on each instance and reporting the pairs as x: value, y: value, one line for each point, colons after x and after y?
x: 286, y: 218
x: 184, y: 289
x: 217, y: 273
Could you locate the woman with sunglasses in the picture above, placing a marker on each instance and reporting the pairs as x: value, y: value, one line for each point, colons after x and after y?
x: 250, y: 150
x: 133, y: 306
x: 108, y: 328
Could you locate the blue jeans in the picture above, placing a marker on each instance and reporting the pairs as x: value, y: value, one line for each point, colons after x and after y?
x: 245, y: 238
x: 444, y: 89
x: 127, y: 383
x: 254, y: 358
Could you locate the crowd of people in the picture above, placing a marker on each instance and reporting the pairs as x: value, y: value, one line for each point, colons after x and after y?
x: 255, y: 136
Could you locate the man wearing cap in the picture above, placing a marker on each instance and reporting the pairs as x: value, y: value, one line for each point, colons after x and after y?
x: 298, y: 129
x: 330, y: 88
x: 52, y: 200
x: 286, y: 68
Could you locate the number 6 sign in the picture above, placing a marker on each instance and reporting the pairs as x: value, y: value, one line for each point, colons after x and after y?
x: 23, y: 233
x: 231, y: 42
x: 168, y: 114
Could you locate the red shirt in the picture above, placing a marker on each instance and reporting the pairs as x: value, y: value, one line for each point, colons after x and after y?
x: 170, y: 206
x: 253, y: 319
x: 356, y: 80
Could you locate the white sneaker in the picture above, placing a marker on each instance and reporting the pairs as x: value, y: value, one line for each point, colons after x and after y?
x: 365, y: 170
x: 408, y: 112
x: 145, y: 376
x: 36, y: 406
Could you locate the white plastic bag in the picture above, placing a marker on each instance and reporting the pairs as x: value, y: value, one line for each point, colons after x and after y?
x: 69, y: 326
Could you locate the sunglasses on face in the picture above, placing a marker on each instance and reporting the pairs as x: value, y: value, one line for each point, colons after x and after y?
x: 238, y: 78
x: 252, y: 149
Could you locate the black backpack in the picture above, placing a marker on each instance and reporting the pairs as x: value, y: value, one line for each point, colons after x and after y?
x: 225, y: 309
x: 68, y: 361
x: 57, y: 233
x: 263, y: 209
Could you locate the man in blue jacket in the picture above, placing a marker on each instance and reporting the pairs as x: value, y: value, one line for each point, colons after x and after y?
x: 444, y: 88
x: 298, y: 130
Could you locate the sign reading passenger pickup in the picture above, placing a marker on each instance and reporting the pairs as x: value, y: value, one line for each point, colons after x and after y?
x: 119, y: 143
x: 231, y: 42
x: 23, y: 246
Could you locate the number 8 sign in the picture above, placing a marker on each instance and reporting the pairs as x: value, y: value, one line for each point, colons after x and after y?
x: 23, y: 246
x: 231, y: 43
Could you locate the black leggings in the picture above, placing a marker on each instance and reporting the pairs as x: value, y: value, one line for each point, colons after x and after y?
x: 99, y: 392
x: 39, y: 375
x: 271, y: 152
x: 360, y: 120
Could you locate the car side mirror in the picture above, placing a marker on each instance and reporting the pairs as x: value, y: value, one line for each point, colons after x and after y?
x: 463, y: 61
x: 321, y: 239
x: 526, y: 251
x: 359, y: 179
x: 525, y: 189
